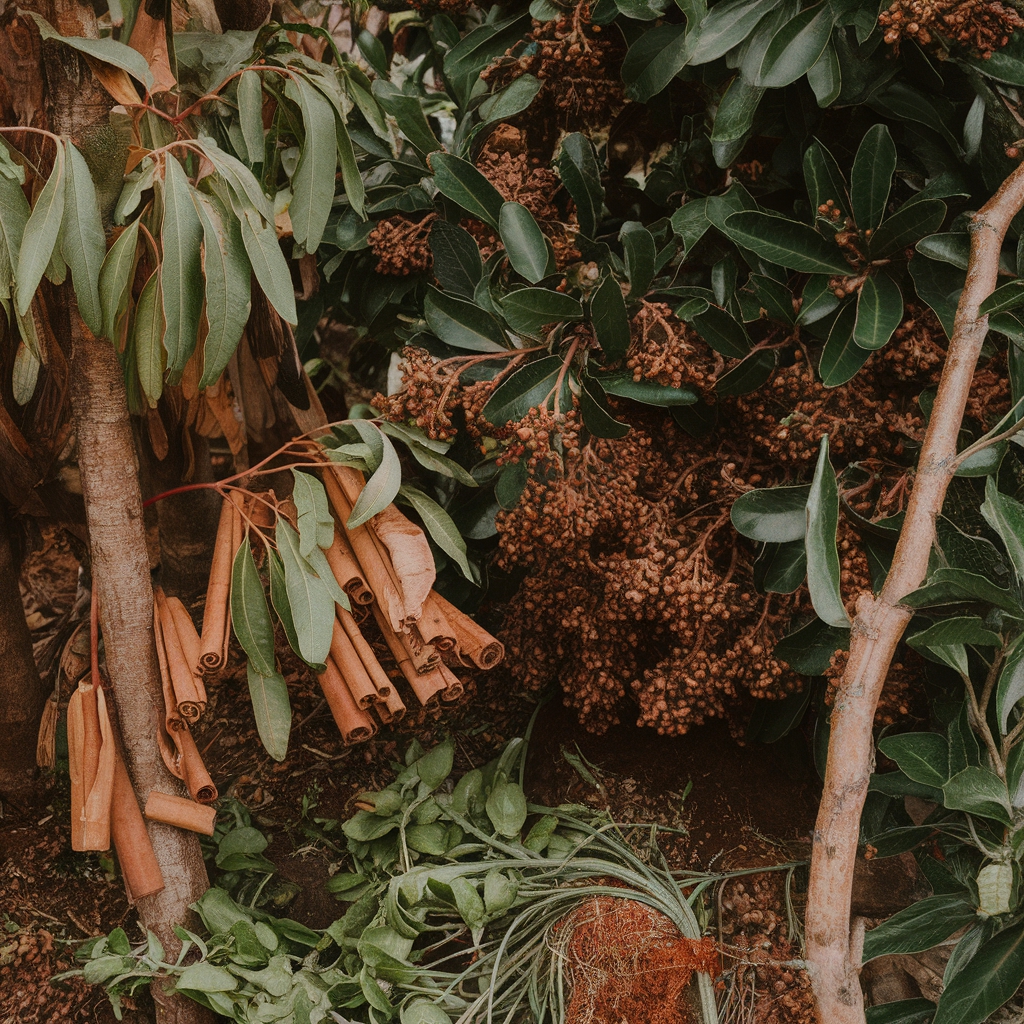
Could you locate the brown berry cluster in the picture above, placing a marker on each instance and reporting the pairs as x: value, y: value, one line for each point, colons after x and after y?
x: 504, y: 161
x: 638, y: 585
x: 402, y: 245
x: 431, y: 395
x: 668, y: 352
x: 979, y: 26
x: 577, y: 62
x: 902, y: 695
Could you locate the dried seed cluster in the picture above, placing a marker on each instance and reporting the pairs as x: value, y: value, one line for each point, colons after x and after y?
x: 577, y: 63
x: 402, y: 245
x: 980, y: 26
x: 668, y: 352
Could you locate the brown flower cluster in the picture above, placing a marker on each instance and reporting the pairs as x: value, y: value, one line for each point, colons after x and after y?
x: 638, y: 584
x: 578, y: 64
x: 979, y: 26
x: 504, y: 161
x: 402, y: 245
x: 666, y: 351
x: 431, y: 396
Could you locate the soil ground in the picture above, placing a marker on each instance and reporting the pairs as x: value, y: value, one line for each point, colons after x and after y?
x: 735, y: 805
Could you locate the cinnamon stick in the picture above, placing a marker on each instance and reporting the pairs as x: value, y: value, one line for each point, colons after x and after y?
x: 135, y: 854
x: 423, y: 656
x: 342, y: 561
x: 453, y: 685
x: 193, y: 772
x: 354, y: 724
x: 392, y: 705
x: 175, y: 810
x: 381, y: 681
x: 426, y: 685
x: 218, y: 591
x: 475, y: 645
x: 91, y: 762
x: 375, y: 568
x: 189, y: 639
x: 434, y: 627
x: 346, y: 658
x: 188, y: 700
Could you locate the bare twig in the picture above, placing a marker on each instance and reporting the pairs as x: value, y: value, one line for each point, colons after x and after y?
x: 877, y: 630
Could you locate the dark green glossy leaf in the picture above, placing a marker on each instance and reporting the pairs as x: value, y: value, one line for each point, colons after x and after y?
x: 923, y: 756
x: 639, y: 251
x: 457, y: 264
x: 781, y: 568
x: 621, y: 384
x: 1010, y: 688
x: 921, y: 926
x: 726, y: 25
x: 879, y: 312
x: 461, y: 182
x: 796, y: 47
x: 733, y: 119
x: 903, y: 1011
x: 772, y: 515
x: 1007, y: 296
x: 594, y: 406
x: 822, y: 553
x: 511, y: 100
x: 271, y: 708
x: 462, y: 324
x: 871, y: 177
x: 749, y: 374
x: 979, y: 791
x: 524, y: 390
x: 957, y: 586
x: 952, y: 247
x: 610, y: 320
x: 116, y: 278
x: 722, y: 332
x: 411, y: 121
x: 527, y: 249
x: 1006, y: 516
x: 809, y: 649
x: 786, y: 242
x: 578, y: 167
x: 842, y: 357
x: 529, y: 310
x: 250, y: 617
x: 511, y: 484
x: 656, y: 57
x: 825, y: 77
x: 907, y: 226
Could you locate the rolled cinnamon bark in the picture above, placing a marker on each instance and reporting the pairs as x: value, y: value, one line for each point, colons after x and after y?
x: 426, y: 685
x: 381, y: 682
x: 188, y: 699
x: 218, y: 591
x: 91, y: 764
x: 135, y: 854
x: 354, y: 724
x: 342, y: 561
x: 473, y: 642
x: 434, y: 627
x: 188, y: 637
x: 352, y: 670
x: 453, y: 689
x: 423, y: 656
x: 377, y: 571
x: 410, y: 554
x: 392, y: 705
x: 174, y: 810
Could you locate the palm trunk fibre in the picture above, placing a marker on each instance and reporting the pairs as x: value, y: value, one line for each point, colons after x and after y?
x: 833, y: 954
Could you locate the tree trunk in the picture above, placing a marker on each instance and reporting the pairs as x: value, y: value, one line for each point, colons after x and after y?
x: 23, y: 694
x: 120, y: 566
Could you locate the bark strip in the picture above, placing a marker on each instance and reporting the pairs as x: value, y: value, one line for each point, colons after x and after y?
x: 181, y: 813
x: 878, y: 627
x: 218, y: 592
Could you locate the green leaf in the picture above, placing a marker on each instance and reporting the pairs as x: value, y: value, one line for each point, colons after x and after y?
x: 310, y: 602
x: 690, y: 222
x: 594, y: 407
x: 842, y: 357
x: 1010, y: 688
x: 907, y: 226
x: 581, y: 174
x: 408, y: 114
x: 527, y: 249
x: 355, y: 188
x: 1006, y: 516
x: 420, y: 1011
x: 879, y: 312
x: 919, y: 927
x: 621, y: 384
x: 922, y: 756
x: 14, y: 214
x: 250, y: 617
x: 439, y: 525
x: 726, y: 25
x: 957, y: 586
x: 249, y: 95
x: 181, y: 281
x: 148, y: 339
x: 228, y: 285
x: 522, y: 391
x: 733, y: 119
x: 25, y: 374
x: 610, y: 320
x: 457, y: 264
x: 657, y: 56
x: 903, y: 1011
x: 203, y: 977
x: 313, y: 180
x: 822, y: 553
x: 461, y: 182
x: 41, y: 231
x: 279, y: 598
x: 511, y: 484
x: 640, y: 255
x: 462, y: 324
x: 825, y: 77
x: 506, y: 807
x: 511, y: 100
x: 978, y: 791
x: 116, y: 278
x: 245, y: 189
x: 82, y: 242
x: 436, y: 463
x: 380, y: 490
x: 1008, y: 296
x: 809, y: 649
x: 824, y: 180
x: 871, y: 177
x: 315, y: 522
x: 269, y: 264
x: 786, y: 242
x: 106, y: 50
x: 781, y: 568
x: 722, y: 332
x: 271, y: 708
x: 529, y: 310
x: 772, y: 515
x: 796, y: 47
x: 467, y: 899
x: 986, y: 982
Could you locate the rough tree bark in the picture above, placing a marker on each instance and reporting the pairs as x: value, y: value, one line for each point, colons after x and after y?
x: 832, y: 951
x: 120, y: 565
x: 23, y: 695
